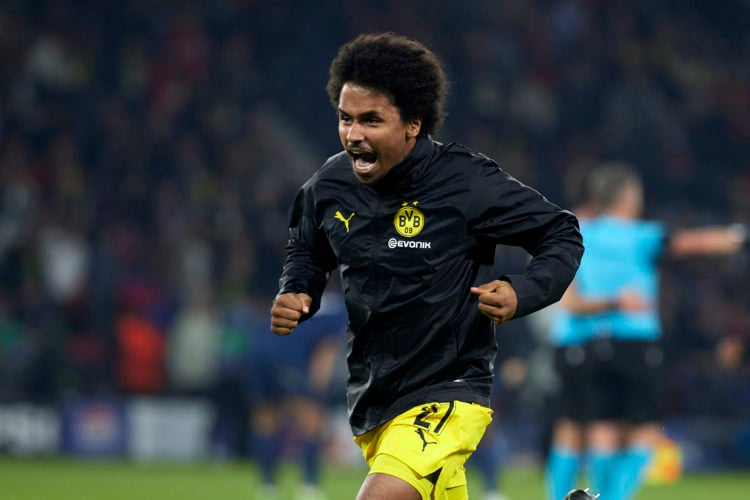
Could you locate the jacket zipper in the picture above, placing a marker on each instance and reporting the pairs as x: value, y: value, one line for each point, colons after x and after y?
x: 384, y: 339
x: 376, y: 244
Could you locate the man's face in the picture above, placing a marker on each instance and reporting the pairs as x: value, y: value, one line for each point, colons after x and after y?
x: 372, y: 132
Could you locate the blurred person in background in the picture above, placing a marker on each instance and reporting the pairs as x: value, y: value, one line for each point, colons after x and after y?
x: 192, y: 347
x: 567, y: 417
x: 289, y: 387
x: 489, y: 456
x: 412, y: 224
x: 613, y: 302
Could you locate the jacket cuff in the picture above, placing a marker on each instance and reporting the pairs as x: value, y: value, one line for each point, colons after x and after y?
x: 527, y: 294
x: 316, y: 297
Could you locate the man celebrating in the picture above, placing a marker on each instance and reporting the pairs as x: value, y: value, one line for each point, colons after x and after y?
x: 412, y: 225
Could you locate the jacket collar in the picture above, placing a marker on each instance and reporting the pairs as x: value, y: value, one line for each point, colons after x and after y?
x: 401, y: 176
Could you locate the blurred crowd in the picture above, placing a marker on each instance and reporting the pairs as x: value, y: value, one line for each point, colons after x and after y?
x: 149, y: 151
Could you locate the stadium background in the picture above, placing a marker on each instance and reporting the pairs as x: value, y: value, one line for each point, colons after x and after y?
x: 149, y: 151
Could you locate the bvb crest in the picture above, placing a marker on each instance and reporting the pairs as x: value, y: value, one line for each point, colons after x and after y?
x: 409, y: 220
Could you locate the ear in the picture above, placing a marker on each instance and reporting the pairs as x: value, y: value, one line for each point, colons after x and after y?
x: 413, y: 127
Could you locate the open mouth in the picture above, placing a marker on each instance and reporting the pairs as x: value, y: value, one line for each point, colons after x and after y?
x: 363, y: 161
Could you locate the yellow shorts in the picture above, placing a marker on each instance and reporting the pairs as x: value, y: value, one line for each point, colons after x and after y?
x: 427, y: 446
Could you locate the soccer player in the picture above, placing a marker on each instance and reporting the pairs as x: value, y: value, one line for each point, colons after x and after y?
x: 613, y: 301
x: 568, y: 339
x: 289, y: 385
x: 487, y: 459
x: 572, y: 363
x: 412, y: 225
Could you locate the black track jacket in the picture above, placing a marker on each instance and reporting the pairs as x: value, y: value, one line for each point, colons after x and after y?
x: 408, y: 248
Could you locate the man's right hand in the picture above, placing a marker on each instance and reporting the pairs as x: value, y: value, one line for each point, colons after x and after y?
x: 287, y: 310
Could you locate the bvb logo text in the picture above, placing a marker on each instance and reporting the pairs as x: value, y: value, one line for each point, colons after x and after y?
x: 409, y: 220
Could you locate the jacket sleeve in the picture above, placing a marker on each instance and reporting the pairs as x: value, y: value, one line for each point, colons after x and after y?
x: 506, y: 211
x: 309, y: 258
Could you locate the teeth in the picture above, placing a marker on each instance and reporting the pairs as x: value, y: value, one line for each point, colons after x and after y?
x: 361, y: 165
x: 363, y: 161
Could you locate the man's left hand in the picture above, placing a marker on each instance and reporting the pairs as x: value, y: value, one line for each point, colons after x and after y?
x: 497, y: 300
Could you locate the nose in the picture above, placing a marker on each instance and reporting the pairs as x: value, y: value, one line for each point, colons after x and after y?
x: 355, y: 133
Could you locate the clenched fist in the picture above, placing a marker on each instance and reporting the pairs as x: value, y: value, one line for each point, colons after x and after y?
x: 497, y: 300
x: 287, y: 310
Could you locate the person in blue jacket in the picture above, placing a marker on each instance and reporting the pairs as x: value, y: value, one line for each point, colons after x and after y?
x: 613, y: 303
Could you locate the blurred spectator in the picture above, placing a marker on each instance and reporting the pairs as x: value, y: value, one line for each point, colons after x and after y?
x: 140, y: 340
x: 192, y: 348
x: 289, y: 386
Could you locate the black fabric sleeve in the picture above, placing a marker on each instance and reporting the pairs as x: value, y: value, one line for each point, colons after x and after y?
x: 506, y: 211
x: 309, y: 258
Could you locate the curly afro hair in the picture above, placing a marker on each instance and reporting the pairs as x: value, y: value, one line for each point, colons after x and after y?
x: 402, y: 68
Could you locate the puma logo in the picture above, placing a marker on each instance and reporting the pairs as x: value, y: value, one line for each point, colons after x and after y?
x: 338, y: 215
x: 424, y: 439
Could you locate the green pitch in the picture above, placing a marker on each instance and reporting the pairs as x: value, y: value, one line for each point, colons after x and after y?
x: 77, y: 480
